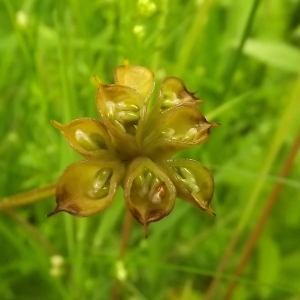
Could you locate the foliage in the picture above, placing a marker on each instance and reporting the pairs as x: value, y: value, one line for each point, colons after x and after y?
x: 242, y: 58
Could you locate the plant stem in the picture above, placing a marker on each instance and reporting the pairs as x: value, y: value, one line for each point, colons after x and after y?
x: 161, y: 37
x: 39, y: 237
x: 27, y: 197
x: 126, y: 228
x: 193, y: 35
x: 127, y: 224
x: 230, y: 74
x: 263, y: 218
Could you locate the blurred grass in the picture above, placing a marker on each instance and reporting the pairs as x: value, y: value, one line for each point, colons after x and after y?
x: 49, y: 52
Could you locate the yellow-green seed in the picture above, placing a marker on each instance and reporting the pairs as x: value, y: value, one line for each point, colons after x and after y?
x: 159, y: 194
x: 119, y: 125
x: 154, y: 185
x: 126, y: 106
x: 170, y: 100
x: 101, y: 193
x: 101, y: 178
x: 186, y: 173
x: 190, y: 135
x: 127, y: 116
x: 188, y: 179
x: 139, y: 181
x: 141, y: 185
x: 111, y: 110
x: 149, y: 177
x: 90, y: 141
x: 169, y: 132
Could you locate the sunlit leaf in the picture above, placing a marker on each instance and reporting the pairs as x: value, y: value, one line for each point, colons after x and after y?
x: 268, y: 260
x: 276, y: 54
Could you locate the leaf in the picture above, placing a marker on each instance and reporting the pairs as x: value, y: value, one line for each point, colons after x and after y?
x: 275, y: 54
x: 268, y: 265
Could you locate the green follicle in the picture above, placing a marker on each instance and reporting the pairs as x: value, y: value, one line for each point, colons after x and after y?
x: 90, y: 141
x: 100, y: 187
x: 189, y: 181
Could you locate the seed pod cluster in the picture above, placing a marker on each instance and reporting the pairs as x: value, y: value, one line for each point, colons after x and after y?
x: 132, y: 145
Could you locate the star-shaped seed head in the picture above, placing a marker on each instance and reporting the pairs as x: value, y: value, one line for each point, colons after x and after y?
x: 132, y: 147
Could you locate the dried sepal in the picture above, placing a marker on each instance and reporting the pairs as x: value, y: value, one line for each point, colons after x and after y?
x: 136, y: 77
x: 193, y: 182
x: 88, y: 137
x: 149, y: 193
x: 176, y: 129
x: 88, y: 187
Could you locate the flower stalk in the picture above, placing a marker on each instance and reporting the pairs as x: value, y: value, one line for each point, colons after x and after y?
x: 27, y: 197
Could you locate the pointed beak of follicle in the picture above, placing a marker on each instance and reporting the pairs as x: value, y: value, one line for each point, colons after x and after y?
x: 210, y: 212
x: 97, y: 81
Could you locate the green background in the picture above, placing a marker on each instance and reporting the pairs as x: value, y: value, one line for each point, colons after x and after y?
x: 242, y: 58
